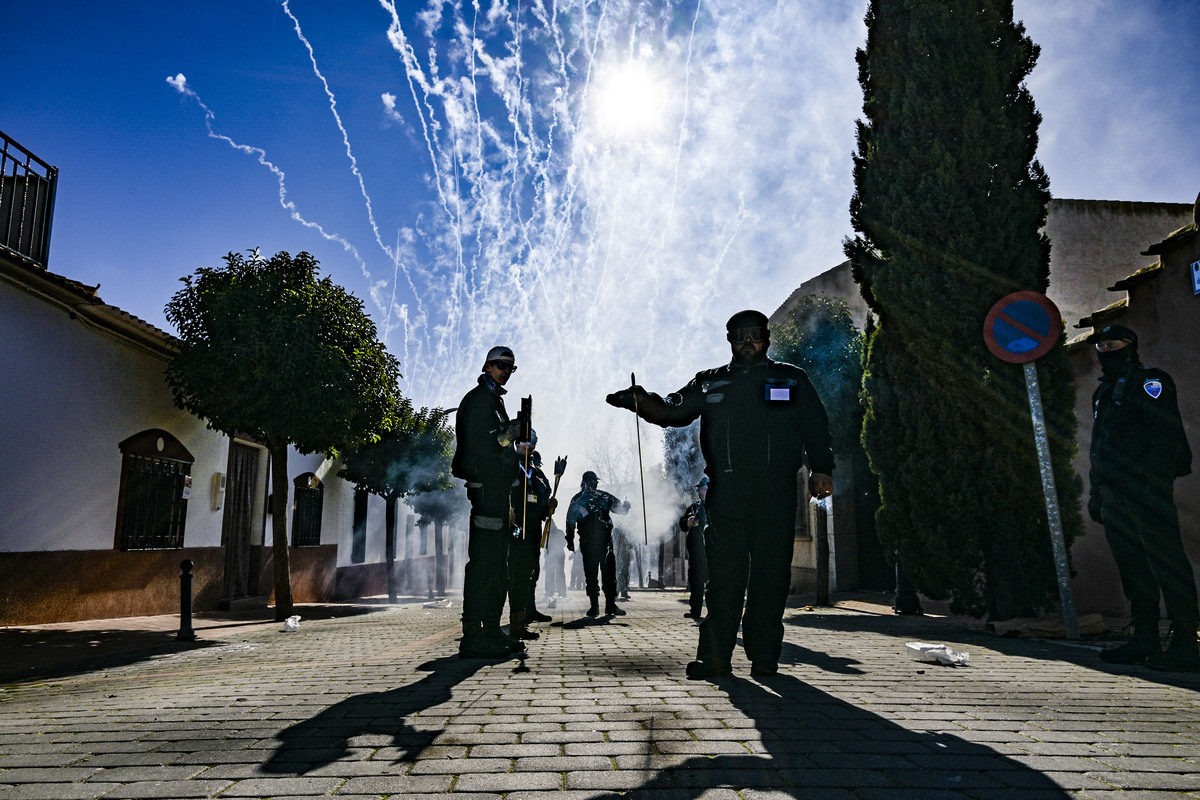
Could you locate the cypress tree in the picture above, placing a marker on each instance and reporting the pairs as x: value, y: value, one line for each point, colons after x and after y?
x: 948, y: 207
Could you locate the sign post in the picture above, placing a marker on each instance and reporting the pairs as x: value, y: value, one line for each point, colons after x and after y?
x: 1021, y: 328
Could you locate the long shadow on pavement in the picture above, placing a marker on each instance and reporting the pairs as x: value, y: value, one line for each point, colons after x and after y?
x: 817, y: 746
x: 328, y: 736
x: 33, y: 654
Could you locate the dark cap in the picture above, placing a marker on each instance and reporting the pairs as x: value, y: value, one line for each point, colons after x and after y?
x: 500, y: 353
x: 590, y: 477
x: 747, y: 319
x: 1114, y: 332
x: 702, y: 483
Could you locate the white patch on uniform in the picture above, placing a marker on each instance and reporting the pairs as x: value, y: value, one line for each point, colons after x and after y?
x: 1153, y: 387
x: 715, y: 397
x: 780, y: 393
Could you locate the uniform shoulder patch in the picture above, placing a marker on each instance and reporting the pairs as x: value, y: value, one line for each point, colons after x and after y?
x: 1153, y: 387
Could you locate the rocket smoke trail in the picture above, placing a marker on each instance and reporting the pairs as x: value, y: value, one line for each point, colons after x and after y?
x: 607, y: 181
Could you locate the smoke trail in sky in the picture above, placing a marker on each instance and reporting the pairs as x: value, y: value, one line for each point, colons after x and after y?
x: 607, y: 181
x: 611, y: 180
x: 179, y: 83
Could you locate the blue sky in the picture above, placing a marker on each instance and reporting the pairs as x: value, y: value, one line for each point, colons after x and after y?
x: 527, y: 195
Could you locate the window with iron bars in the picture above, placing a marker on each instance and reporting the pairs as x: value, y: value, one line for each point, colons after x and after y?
x: 155, y: 484
x: 309, y: 497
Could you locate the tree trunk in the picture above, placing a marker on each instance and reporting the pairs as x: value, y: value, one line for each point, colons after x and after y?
x: 390, y: 546
x: 279, y: 533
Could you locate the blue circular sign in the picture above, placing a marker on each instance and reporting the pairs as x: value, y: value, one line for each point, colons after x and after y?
x: 1022, y: 327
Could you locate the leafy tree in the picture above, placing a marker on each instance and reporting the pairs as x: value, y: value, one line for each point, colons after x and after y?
x: 819, y: 336
x: 949, y: 202
x: 268, y: 349
x: 413, y: 457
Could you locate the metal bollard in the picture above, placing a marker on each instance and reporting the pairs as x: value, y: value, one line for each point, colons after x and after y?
x: 186, y: 634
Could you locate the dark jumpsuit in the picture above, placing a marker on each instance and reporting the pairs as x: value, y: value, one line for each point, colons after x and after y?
x: 489, y: 470
x: 590, y: 511
x: 757, y: 425
x: 1138, y: 449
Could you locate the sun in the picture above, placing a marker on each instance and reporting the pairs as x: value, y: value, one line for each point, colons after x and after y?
x: 630, y: 99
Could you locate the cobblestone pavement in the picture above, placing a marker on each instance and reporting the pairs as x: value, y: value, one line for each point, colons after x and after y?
x: 378, y: 705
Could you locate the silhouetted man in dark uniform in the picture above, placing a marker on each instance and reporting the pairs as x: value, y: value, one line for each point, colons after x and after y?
x: 487, y: 460
x: 590, y: 512
x: 692, y: 523
x: 1138, y: 449
x: 758, y: 420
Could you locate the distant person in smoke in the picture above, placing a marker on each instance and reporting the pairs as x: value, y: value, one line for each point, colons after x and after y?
x: 555, y: 570
x: 487, y: 457
x: 760, y: 420
x: 531, y: 505
x: 693, y: 524
x: 577, y: 581
x: 1139, y: 447
x: 590, y: 513
x: 623, y: 553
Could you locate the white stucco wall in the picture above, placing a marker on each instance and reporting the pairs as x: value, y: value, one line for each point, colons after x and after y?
x: 68, y: 396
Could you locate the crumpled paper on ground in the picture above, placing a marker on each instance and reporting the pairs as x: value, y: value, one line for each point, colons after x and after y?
x: 291, y: 624
x: 940, y: 653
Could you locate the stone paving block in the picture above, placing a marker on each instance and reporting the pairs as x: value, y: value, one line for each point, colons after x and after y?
x: 613, y: 780
x: 273, y: 787
x: 461, y: 766
x: 46, y: 774
x: 1174, y: 782
x: 508, y: 782
x: 404, y: 785
x: 139, y: 774
x: 169, y: 790
x: 58, y: 791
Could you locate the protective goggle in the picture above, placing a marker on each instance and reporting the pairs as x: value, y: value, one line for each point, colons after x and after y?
x: 738, y: 335
x: 506, y: 366
x: 1108, y: 345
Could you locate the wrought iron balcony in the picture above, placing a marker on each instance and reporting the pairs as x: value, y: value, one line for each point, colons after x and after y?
x: 27, y: 187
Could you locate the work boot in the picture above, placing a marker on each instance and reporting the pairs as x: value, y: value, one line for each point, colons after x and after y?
x: 1182, y: 653
x: 492, y: 633
x: 699, y: 670
x: 764, y: 669
x: 537, y: 616
x: 516, y: 627
x: 474, y: 645
x: 611, y: 609
x: 594, y: 608
x: 1143, y: 643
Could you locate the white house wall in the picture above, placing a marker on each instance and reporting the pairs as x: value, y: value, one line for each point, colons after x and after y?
x: 69, y: 396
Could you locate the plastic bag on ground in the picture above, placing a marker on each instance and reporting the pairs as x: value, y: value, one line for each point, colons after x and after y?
x: 942, y: 654
x: 291, y: 624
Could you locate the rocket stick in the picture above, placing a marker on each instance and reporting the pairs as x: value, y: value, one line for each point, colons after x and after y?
x: 560, y: 466
x: 637, y: 422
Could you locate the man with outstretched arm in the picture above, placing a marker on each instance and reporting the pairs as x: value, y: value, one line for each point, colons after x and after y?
x: 760, y: 420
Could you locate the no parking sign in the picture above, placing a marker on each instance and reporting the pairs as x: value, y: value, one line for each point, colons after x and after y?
x: 1021, y: 328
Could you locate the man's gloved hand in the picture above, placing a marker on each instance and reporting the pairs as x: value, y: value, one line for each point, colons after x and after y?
x: 625, y: 505
x: 509, y: 433
x: 628, y: 398
x: 1095, y: 505
x: 553, y: 504
x: 571, y: 543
